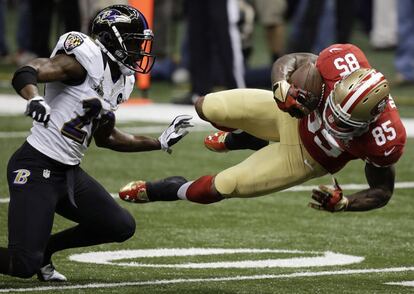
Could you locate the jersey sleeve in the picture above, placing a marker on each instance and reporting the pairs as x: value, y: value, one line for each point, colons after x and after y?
x: 86, y: 52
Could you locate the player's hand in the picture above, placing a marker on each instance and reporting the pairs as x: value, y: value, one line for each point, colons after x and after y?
x: 329, y: 199
x: 38, y: 109
x: 175, y: 132
x: 296, y: 101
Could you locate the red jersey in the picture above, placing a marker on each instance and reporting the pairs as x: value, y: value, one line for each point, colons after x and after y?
x: 381, y: 145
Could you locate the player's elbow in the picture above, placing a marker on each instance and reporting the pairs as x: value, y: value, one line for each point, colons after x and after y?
x: 100, y: 143
x: 384, y: 197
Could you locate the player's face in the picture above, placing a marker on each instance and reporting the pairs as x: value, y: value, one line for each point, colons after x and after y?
x: 139, y: 53
x: 337, y: 125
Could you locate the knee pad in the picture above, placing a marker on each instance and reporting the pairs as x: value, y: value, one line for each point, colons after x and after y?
x: 25, y: 265
x: 214, y: 109
x: 225, y: 183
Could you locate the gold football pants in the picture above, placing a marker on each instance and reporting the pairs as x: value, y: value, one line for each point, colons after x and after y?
x: 282, y: 164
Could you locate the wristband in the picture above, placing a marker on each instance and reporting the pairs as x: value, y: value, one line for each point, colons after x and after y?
x: 24, y: 76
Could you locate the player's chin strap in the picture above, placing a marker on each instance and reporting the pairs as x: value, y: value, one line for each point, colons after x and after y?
x: 124, y: 70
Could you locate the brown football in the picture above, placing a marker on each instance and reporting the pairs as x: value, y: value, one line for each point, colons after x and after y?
x: 307, y: 77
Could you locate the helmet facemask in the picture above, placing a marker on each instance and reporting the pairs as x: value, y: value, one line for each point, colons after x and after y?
x: 134, y: 50
x: 354, y: 103
x: 339, y: 124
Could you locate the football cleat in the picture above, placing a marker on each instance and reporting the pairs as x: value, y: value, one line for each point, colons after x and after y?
x: 215, y: 142
x: 48, y: 273
x: 134, y: 192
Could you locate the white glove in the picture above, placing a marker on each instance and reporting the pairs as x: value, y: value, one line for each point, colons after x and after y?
x: 38, y: 109
x: 175, y: 132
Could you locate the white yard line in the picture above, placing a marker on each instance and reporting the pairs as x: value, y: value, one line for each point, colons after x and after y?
x: 215, y: 279
x: 304, y: 188
x: 404, y: 283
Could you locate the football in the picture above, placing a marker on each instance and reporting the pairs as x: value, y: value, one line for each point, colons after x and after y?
x: 307, y: 77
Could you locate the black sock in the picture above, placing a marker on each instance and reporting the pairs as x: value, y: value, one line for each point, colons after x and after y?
x: 5, y: 261
x: 243, y: 140
x: 165, y: 189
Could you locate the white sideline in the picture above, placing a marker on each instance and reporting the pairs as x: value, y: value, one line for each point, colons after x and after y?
x: 216, y: 279
x: 132, y: 130
x: 304, y: 188
x: 154, y: 112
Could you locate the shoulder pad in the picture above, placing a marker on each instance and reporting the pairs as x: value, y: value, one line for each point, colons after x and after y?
x: 86, y: 52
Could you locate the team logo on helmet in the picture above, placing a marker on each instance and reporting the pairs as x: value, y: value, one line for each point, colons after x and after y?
x: 72, y: 41
x: 380, y: 107
x: 112, y: 16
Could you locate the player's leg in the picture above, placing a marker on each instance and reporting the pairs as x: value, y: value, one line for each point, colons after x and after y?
x: 100, y: 219
x: 270, y: 169
x: 33, y: 196
x: 245, y: 117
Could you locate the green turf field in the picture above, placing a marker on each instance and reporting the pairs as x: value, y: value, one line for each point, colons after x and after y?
x: 252, y: 238
x: 384, y: 238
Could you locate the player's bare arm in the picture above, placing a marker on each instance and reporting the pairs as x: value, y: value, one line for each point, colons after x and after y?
x: 381, y: 186
x: 109, y: 136
x: 283, y: 68
x: 61, y: 67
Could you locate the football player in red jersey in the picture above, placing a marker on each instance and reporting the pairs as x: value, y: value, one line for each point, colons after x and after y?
x: 356, y: 118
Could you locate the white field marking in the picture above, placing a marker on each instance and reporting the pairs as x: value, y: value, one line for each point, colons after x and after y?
x: 154, y: 112
x: 404, y: 283
x: 304, y: 188
x: 214, y: 279
x: 319, y: 259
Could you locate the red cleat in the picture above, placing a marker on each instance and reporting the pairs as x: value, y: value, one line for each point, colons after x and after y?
x: 134, y: 192
x: 215, y: 142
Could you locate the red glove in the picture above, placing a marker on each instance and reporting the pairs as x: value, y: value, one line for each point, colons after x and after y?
x: 296, y: 101
x: 329, y: 199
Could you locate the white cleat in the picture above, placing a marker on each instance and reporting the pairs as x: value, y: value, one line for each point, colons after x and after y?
x: 48, y: 273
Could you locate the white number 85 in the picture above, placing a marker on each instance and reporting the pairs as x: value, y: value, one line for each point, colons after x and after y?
x: 347, y: 65
x: 383, y: 133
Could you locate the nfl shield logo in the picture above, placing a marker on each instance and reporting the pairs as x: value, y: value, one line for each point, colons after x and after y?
x: 46, y: 173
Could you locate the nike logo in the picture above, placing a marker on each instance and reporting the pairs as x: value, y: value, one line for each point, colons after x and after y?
x: 386, y: 153
x: 335, y: 49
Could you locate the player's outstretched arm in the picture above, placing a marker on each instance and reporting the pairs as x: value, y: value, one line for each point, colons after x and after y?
x: 381, y: 186
x: 108, y: 136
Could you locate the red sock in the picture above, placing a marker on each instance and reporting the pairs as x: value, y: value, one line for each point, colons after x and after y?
x: 200, y: 191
